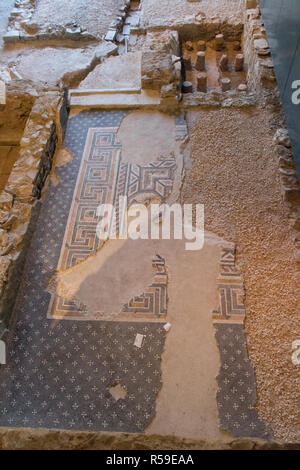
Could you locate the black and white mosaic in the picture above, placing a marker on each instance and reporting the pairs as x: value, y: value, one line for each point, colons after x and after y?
x: 236, y: 395
x: 59, y: 372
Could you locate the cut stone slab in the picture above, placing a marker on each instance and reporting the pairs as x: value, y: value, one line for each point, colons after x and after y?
x: 111, y: 35
x: 126, y: 30
x: 166, y: 13
x: 95, y: 17
x: 2, y: 94
x: 118, y: 72
x: 104, y: 99
x: 50, y: 65
x: 11, y: 36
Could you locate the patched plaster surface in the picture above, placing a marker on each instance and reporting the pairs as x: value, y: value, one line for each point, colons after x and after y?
x: 147, y: 136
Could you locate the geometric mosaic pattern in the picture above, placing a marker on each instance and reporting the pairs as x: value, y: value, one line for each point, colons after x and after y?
x: 181, y: 129
x: 95, y: 185
x: 153, y: 301
x: 231, y: 291
x: 236, y: 394
x: 154, y: 179
x: 59, y: 373
x: 102, y: 179
x: 59, y: 376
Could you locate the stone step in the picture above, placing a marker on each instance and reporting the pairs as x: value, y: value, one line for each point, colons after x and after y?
x: 124, y: 98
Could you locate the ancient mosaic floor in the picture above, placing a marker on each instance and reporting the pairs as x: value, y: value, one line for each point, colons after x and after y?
x: 59, y: 373
x: 63, y: 359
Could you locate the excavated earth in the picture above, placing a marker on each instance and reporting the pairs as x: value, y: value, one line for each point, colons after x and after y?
x: 234, y: 174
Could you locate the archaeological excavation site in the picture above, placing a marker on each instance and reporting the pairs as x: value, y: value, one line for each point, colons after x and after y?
x: 149, y: 227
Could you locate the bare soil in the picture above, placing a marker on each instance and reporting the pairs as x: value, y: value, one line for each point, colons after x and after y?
x: 234, y: 174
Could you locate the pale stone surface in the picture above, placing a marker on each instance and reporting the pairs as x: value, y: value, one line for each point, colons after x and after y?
x: 94, y: 16
x: 49, y: 65
x: 174, y: 12
x: 118, y: 392
x: 2, y: 94
x: 144, y: 99
x: 116, y: 72
x: 5, y: 8
x: 186, y: 405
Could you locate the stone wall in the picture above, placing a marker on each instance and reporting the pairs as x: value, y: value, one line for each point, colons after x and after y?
x: 157, y: 65
x: 19, y: 100
x: 289, y: 184
x: 261, y: 81
x: 260, y: 65
x: 18, y: 201
x: 161, y: 66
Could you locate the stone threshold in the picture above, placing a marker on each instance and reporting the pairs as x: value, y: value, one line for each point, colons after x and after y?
x: 47, y: 439
x: 123, y: 98
x: 103, y: 91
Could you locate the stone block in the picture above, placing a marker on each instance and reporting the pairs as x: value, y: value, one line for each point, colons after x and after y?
x: 281, y: 137
x: 111, y: 35
x: 261, y: 46
x: 11, y: 36
x: 2, y: 94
